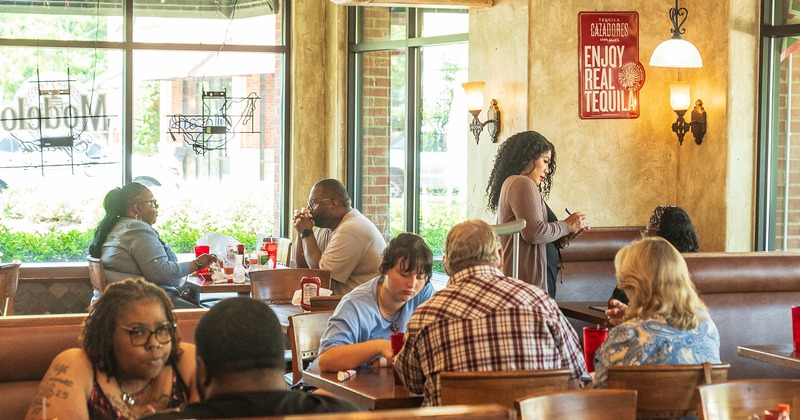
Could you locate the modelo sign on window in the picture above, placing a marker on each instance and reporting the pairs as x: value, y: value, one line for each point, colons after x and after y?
x: 610, y: 73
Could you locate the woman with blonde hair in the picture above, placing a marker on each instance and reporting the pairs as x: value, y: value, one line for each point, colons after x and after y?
x: 666, y: 323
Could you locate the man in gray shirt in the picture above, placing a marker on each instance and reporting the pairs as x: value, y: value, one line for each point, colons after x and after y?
x: 346, y: 242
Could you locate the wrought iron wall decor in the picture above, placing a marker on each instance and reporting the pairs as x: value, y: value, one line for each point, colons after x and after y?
x: 215, y: 126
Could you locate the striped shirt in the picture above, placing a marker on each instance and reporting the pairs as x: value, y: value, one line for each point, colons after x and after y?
x: 484, y: 321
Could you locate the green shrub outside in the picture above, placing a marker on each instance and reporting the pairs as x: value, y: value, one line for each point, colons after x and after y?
x: 60, y: 226
x: 65, y: 227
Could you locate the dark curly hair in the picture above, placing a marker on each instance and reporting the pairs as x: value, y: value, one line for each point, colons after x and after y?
x: 97, y: 337
x: 512, y: 157
x: 413, y: 251
x: 115, y: 203
x: 676, y: 227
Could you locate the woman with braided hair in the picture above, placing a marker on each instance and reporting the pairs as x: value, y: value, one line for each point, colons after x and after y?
x: 129, y: 246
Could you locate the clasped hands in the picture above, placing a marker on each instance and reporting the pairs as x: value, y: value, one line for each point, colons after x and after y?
x: 302, y: 219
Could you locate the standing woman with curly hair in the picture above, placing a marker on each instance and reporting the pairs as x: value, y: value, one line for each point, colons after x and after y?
x: 520, y: 181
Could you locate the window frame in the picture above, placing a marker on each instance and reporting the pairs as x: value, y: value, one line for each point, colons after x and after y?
x: 411, y: 44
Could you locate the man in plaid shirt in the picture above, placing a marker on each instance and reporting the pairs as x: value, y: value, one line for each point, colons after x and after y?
x: 483, y: 321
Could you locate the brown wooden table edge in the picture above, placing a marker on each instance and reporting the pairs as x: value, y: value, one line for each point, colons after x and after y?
x: 581, y: 312
x: 774, y: 354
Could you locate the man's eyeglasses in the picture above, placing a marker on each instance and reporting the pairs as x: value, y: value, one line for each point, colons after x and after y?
x: 153, y: 202
x: 141, y: 336
x: 314, y: 203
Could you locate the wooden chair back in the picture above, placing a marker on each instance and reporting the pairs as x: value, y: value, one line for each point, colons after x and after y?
x: 304, y: 332
x: 324, y: 303
x: 9, y: 280
x: 451, y: 412
x: 97, y: 274
x: 594, y: 404
x: 500, y: 387
x: 666, y: 391
x: 277, y: 286
x: 741, y: 399
x: 284, y: 249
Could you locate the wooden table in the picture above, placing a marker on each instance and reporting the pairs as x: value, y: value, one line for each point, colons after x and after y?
x: 197, y: 285
x: 372, y: 388
x: 284, y: 312
x: 775, y: 354
x: 581, y: 311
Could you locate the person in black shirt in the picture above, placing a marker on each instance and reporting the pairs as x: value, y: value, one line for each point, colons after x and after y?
x: 671, y: 223
x: 240, y: 367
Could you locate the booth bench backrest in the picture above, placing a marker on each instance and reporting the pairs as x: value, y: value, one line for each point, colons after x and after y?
x: 749, y: 296
x: 587, y: 272
x: 29, y: 343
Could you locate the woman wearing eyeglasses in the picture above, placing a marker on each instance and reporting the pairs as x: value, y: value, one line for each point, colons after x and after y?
x: 129, y: 246
x: 131, y: 362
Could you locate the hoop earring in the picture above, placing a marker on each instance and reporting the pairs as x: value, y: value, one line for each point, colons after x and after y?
x: 138, y: 216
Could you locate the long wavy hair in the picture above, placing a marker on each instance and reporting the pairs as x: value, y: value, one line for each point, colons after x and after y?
x: 115, y: 204
x: 512, y: 157
x: 97, y: 338
x: 656, y: 279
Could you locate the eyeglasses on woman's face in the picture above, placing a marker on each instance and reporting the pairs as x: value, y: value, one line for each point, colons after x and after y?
x: 140, y: 336
x: 153, y: 202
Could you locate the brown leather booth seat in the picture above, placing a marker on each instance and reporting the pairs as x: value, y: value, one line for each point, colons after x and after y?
x: 749, y: 295
x: 588, y: 263
x: 29, y: 343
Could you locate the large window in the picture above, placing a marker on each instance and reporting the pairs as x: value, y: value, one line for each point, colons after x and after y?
x: 185, y: 97
x: 409, y: 120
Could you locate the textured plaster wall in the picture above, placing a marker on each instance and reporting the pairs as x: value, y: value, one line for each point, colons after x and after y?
x: 617, y: 171
x: 318, y: 96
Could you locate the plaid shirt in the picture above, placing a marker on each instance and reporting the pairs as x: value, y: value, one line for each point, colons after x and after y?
x: 484, y: 321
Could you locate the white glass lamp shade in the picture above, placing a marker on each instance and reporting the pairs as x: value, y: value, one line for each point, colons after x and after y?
x: 679, y: 98
x: 676, y: 52
x: 474, y: 95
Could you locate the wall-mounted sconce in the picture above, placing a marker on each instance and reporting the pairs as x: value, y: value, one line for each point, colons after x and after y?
x: 676, y: 51
x: 474, y: 94
x: 679, y: 99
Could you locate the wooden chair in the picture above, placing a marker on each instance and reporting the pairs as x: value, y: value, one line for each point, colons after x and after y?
x: 500, y: 387
x: 284, y: 250
x: 594, y: 404
x: 666, y: 391
x: 304, y: 332
x: 741, y: 399
x: 324, y: 303
x: 9, y: 279
x: 97, y: 274
x: 451, y: 412
x: 512, y: 228
x: 277, y: 286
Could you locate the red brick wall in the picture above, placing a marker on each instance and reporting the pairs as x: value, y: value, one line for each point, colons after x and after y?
x: 793, y: 221
x: 376, y: 120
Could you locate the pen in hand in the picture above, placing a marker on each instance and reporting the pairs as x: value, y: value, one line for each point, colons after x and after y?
x: 568, y: 212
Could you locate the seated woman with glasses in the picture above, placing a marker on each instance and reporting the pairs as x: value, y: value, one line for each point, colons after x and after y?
x: 359, y: 330
x: 131, y: 361
x: 129, y: 246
